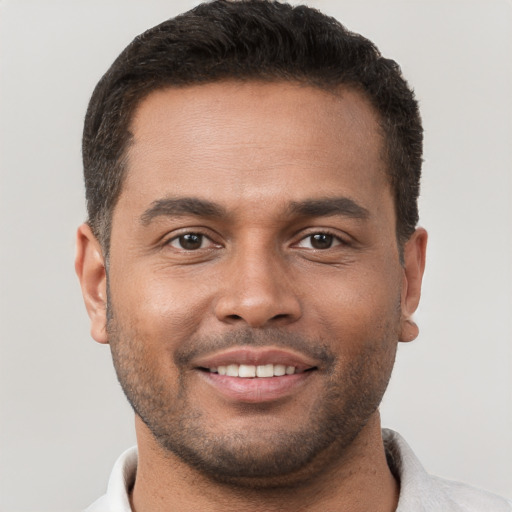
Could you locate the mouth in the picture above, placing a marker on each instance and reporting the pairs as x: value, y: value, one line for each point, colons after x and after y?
x: 250, y: 371
x: 255, y: 375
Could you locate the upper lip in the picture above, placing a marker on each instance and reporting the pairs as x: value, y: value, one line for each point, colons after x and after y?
x: 256, y: 357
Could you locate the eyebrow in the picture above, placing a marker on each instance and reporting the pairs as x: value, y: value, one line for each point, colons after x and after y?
x: 176, y: 207
x: 328, y: 206
x: 324, y: 207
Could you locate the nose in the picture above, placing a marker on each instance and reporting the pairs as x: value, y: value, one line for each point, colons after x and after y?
x: 258, y: 291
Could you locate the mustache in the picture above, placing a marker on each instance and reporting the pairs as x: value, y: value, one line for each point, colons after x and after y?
x: 204, y: 346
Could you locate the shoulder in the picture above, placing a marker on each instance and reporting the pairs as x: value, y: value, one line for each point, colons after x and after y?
x: 470, y: 499
x: 100, y: 505
x: 120, y: 484
x: 421, y: 492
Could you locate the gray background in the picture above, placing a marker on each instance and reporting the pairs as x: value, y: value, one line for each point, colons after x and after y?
x: 63, y: 419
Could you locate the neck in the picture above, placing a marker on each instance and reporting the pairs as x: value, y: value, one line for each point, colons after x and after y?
x: 360, y: 481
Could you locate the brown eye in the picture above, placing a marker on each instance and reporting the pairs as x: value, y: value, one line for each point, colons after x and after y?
x: 321, y: 241
x: 188, y: 241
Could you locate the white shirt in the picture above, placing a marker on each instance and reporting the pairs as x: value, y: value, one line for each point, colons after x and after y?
x: 419, y: 491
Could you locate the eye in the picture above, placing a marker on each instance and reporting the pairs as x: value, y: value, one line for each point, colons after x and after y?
x: 319, y: 241
x: 190, y: 241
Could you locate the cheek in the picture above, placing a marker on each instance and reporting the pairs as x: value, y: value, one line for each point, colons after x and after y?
x: 357, y: 305
x: 161, y: 309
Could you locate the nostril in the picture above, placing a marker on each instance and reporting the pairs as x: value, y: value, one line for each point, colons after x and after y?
x: 257, y: 311
x: 280, y: 316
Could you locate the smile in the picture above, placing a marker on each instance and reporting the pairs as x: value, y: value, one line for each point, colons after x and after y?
x: 255, y: 375
x: 249, y: 371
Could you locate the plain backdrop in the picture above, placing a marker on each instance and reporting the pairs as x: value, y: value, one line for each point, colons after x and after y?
x: 63, y: 418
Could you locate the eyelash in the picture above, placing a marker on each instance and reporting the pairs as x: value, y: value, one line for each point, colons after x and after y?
x: 203, y: 237
x: 335, y: 240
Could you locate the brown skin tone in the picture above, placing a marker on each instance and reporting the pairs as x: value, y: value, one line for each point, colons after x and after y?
x: 256, y: 150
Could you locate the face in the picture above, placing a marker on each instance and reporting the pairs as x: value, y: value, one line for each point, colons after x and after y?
x: 255, y: 289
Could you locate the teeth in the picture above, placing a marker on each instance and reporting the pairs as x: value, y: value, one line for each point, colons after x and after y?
x: 247, y: 371
x: 232, y: 370
x: 280, y: 369
x: 266, y: 370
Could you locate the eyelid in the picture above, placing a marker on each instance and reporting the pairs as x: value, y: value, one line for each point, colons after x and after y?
x: 213, y: 237
x: 341, y: 240
x: 203, y: 232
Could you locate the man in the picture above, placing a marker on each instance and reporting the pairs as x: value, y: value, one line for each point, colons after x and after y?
x: 252, y: 258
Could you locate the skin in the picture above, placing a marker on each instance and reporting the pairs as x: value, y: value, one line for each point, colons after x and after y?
x: 256, y: 279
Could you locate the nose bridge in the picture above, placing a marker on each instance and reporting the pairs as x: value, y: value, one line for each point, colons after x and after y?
x: 257, y: 287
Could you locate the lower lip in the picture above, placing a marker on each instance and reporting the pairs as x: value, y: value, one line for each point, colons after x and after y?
x: 256, y: 390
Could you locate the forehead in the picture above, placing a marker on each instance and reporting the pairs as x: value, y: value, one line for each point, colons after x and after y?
x: 255, y: 140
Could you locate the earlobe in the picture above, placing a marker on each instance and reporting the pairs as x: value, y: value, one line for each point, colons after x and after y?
x: 414, y: 266
x: 90, y: 269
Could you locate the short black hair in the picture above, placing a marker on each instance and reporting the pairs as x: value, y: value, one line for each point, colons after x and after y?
x: 248, y: 40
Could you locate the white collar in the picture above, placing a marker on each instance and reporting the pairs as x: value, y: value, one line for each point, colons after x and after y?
x: 419, y: 491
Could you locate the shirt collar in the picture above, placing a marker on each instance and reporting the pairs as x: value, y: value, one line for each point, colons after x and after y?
x: 415, y: 483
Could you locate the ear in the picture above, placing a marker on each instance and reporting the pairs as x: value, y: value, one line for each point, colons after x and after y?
x: 90, y: 269
x: 414, y: 266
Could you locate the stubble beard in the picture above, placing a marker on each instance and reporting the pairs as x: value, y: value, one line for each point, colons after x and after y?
x: 265, y: 457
